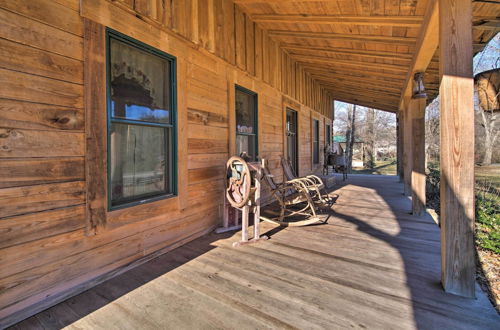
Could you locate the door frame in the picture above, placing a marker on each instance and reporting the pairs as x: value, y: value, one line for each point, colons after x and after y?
x: 288, y: 103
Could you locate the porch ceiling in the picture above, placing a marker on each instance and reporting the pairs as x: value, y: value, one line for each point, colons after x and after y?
x: 360, y: 50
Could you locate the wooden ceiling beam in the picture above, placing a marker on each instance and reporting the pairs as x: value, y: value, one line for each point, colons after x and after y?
x: 361, y: 92
x: 428, y: 41
x: 364, y: 103
x: 343, y: 36
x: 366, y: 94
x: 362, y: 86
x: 328, y: 60
x: 342, y: 70
x: 349, y: 51
x: 351, y: 80
x: 401, y: 21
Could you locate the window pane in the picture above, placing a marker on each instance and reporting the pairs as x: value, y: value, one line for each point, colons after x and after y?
x: 140, y: 84
x: 245, y: 113
x: 138, y: 162
x: 246, y: 143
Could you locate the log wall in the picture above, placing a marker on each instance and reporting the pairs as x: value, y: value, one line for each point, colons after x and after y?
x: 48, y: 251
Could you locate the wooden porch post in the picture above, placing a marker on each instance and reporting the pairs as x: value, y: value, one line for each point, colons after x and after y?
x: 407, y: 149
x: 399, y: 145
x: 457, y: 147
x: 417, y: 111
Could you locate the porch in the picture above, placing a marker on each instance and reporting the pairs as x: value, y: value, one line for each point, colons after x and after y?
x: 373, y: 265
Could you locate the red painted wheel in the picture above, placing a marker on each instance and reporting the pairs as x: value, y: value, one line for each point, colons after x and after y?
x: 239, y: 182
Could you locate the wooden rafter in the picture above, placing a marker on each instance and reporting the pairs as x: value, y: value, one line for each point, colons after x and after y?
x: 367, y: 72
x: 402, y: 21
x: 427, y: 44
x: 357, y: 80
x: 342, y: 36
x: 355, y: 86
x: 349, y: 51
x: 372, y: 95
x: 333, y: 61
x: 365, y: 103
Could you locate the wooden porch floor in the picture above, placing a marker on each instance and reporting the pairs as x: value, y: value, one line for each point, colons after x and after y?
x: 372, y: 266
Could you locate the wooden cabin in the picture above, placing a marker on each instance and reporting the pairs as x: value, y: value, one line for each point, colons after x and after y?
x: 117, y: 118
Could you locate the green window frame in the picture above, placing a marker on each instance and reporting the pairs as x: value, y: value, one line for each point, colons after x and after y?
x: 328, y: 136
x: 252, y: 138
x: 140, y: 125
x: 315, y: 141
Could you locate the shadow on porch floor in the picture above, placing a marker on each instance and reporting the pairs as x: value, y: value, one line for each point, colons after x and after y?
x: 372, y: 265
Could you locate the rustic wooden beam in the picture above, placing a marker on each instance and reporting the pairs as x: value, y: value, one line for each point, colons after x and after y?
x: 363, y: 97
x: 359, y: 90
x: 348, y: 51
x: 358, y: 84
x: 401, y: 21
x: 329, y: 60
x: 427, y: 44
x: 364, y: 103
x: 343, y: 36
x: 417, y: 112
x: 94, y: 43
x: 457, y: 147
x: 407, y: 149
x: 399, y: 146
x: 349, y: 73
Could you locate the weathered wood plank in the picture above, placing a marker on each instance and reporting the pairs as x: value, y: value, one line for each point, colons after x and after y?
x: 96, y: 124
x: 25, y: 228
x: 48, y: 12
x: 26, y: 87
x: 22, y: 200
x: 27, y: 172
x: 457, y: 147
x: 16, y: 143
x: 27, y: 115
x: 26, y: 59
x: 35, y: 34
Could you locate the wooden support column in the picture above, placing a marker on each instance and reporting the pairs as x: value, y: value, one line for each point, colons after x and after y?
x: 399, y: 145
x: 417, y: 111
x: 407, y: 149
x: 457, y: 147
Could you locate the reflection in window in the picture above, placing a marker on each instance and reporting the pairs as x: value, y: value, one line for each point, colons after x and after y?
x: 315, y: 141
x: 141, y: 127
x: 246, y: 122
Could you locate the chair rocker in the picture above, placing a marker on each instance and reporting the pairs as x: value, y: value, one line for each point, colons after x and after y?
x: 294, y: 199
x: 312, y: 183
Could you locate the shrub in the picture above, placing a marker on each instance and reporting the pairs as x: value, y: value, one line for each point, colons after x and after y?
x: 487, y: 233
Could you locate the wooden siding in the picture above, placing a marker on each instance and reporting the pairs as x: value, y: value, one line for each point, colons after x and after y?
x: 47, y: 250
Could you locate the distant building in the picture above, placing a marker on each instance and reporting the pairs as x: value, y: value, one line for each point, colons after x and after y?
x: 357, y: 152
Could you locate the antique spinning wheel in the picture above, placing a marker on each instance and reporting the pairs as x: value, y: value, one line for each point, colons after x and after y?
x: 239, y: 182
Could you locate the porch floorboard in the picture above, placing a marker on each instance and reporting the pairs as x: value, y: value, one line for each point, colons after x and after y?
x: 373, y: 265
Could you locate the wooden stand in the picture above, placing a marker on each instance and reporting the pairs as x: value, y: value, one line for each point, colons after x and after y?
x: 253, y: 207
x: 230, y: 214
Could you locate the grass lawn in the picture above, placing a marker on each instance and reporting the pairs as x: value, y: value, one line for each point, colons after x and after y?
x: 489, y: 173
x: 386, y: 167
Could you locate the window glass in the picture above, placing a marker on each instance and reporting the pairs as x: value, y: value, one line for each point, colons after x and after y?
x: 138, y: 161
x: 315, y: 141
x: 141, y: 122
x: 245, y: 113
x: 246, y: 123
x: 139, y: 88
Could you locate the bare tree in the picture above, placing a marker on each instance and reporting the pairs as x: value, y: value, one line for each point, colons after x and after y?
x: 350, y: 135
x: 370, y: 138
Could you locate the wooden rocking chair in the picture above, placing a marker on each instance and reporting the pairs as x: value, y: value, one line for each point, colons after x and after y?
x: 294, y: 200
x: 312, y: 183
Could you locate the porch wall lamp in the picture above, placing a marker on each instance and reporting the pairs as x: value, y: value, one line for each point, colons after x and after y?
x: 418, y: 86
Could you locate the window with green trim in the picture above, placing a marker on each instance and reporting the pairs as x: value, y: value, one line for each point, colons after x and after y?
x: 328, y: 135
x: 246, y: 123
x: 315, y: 141
x: 141, y: 122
